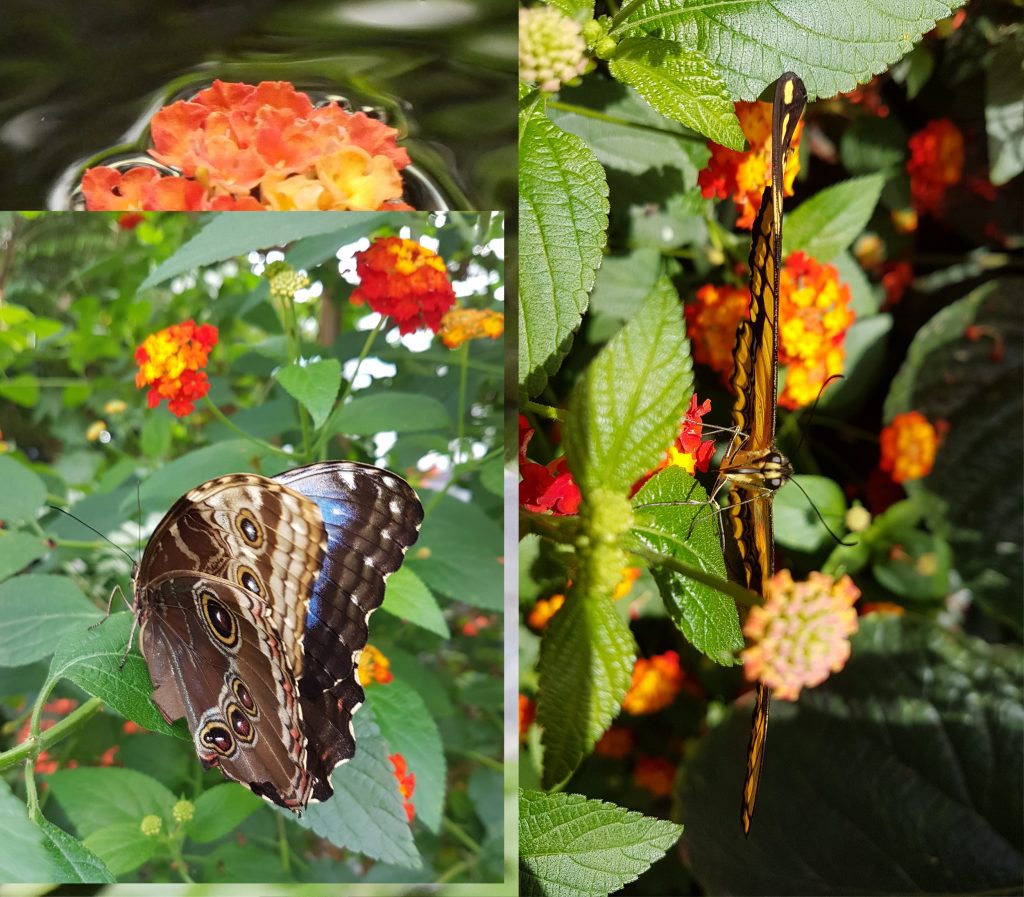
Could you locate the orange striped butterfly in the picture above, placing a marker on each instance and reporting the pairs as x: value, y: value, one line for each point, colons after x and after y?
x: 752, y: 465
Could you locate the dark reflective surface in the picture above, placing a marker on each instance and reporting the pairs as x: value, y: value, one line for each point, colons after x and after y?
x: 75, y: 77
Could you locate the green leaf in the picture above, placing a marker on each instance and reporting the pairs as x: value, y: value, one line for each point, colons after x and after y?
x: 36, y: 611
x: 94, y: 797
x: 831, y: 220
x: 833, y: 46
x: 25, y: 857
x: 707, y: 618
x: 155, y: 439
x: 22, y: 389
x: 680, y: 83
x: 18, y: 550
x: 796, y: 524
x: 382, y: 412
x: 1004, y: 111
x: 23, y: 494
x: 221, y: 809
x: 563, y: 216
x: 75, y: 862
x: 410, y: 730
x: 315, y: 385
x: 911, y: 756
x: 579, y: 10
x: 914, y: 70
x: 919, y: 570
x: 123, y: 847
x: 626, y: 409
x: 624, y: 282
x: 91, y: 659
x: 408, y: 598
x: 365, y: 814
x: 586, y: 666
x: 573, y: 847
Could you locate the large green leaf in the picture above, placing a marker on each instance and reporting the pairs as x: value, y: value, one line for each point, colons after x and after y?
x: 1004, y: 110
x: 315, y: 385
x: 380, y: 412
x: 122, y: 847
x: 75, y: 862
x: 18, y: 550
x: 23, y: 494
x: 563, y: 215
x: 675, y: 518
x: 25, y: 857
x: 796, y: 523
x: 832, y: 46
x: 831, y: 220
x: 94, y: 797
x: 628, y: 406
x: 573, y: 847
x: 586, y: 666
x: 409, y: 599
x: 679, y: 83
x: 36, y: 611
x: 903, y: 773
x: 220, y: 809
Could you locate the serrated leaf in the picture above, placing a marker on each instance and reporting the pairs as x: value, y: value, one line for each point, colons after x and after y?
x: 1004, y: 111
x: 73, y: 860
x: 579, y: 10
x: 707, y: 618
x: 18, y: 550
x: 315, y: 385
x: 123, y: 847
x: 220, y: 809
x: 832, y: 46
x: 586, y: 666
x: 36, y: 611
x: 563, y: 216
x: 831, y: 220
x: 680, y: 83
x: 381, y: 412
x: 410, y: 730
x: 94, y: 797
x: 796, y: 524
x: 408, y: 598
x: 23, y: 494
x: 24, y: 857
x: 627, y: 407
x: 570, y: 846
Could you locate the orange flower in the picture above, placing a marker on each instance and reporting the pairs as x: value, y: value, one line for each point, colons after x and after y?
x: 374, y: 667
x: 130, y: 728
x: 616, y: 743
x: 936, y: 163
x: 745, y: 175
x: 462, y: 324
x: 629, y: 576
x: 654, y: 774
x: 896, y: 277
x: 881, y: 607
x: 543, y: 611
x: 527, y: 714
x: 406, y: 784
x: 407, y: 281
x: 909, y: 444
x: 711, y: 323
x: 869, y: 98
x: 656, y: 682
x: 239, y: 146
x: 474, y: 625
x: 169, y: 364
x: 801, y: 633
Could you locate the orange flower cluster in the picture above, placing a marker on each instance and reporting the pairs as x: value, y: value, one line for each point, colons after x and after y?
x: 654, y: 774
x: 462, y: 324
x: 406, y: 784
x: 527, y: 714
x: 745, y: 175
x: 656, y: 682
x: 801, y: 633
x: 711, y: 323
x: 403, y: 280
x: 687, y: 452
x: 542, y: 612
x: 936, y: 163
x: 242, y: 147
x: 909, y: 444
x: 169, y: 364
x: 616, y: 743
x: 374, y: 667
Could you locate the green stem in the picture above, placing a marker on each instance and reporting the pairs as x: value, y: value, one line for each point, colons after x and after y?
x: 178, y: 861
x: 217, y: 413
x: 476, y: 757
x: 282, y: 844
x: 547, y: 411
x: 31, y: 795
x: 452, y: 871
x: 735, y: 591
x: 38, y: 741
x: 460, y: 835
x: 460, y: 433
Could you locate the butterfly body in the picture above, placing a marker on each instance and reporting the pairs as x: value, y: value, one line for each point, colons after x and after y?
x: 252, y: 599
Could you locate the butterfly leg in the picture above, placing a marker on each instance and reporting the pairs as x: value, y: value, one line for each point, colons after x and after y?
x: 117, y: 589
x: 128, y: 647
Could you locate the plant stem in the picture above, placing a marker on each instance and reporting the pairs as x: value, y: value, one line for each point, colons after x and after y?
x: 282, y: 844
x: 735, y: 591
x: 460, y: 835
x: 217, y: 413
x: 548, y: 411
x: 476, y: 757
x: 460, y: 422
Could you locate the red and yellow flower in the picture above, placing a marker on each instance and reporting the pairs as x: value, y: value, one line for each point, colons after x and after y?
x: 527, y: 714
x: 936, y: 163
x: 545, y: 487
x: 909, y: 445
x: 170, y: 365
x: 656, y: 682
x: 374, y: 667
x: 406, y: 784
x: 687, y: 451
x: 405, y: 281
x: 462, y: 324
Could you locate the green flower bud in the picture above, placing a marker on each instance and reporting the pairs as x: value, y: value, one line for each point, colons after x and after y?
x: 552, y: 51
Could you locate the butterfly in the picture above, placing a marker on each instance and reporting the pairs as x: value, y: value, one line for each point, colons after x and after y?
x: 752, y: 465
x: 252, y: 600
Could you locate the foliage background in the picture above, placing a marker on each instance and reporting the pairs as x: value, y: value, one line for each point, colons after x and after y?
x: 80, y: 293
x: 904, y: 772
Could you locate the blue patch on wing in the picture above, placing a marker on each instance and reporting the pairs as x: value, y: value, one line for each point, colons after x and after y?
x: 336, y: 514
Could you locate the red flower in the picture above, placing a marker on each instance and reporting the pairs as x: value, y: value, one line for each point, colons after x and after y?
x: 406, y: 784
x: 687, y: 451
x: 545, y: 488
x: 169, y: 364
x: 936, y: 163
x: 406, y: 281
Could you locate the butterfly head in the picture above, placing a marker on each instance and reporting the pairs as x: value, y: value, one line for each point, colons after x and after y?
x: 776, y: 471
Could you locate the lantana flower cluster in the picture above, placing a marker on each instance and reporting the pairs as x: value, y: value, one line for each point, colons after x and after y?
x: 687, y: 451
x: 406, y: 784
x: 656, y: 682
x: 552, y: 51
x: 909, y: 445
x: 243, y: 147
x: 170, y: 365
x: 744, y: 175
x: 462, y: 324
x: 936, y: 163
x: 545, y: 487
x: 374, y: 667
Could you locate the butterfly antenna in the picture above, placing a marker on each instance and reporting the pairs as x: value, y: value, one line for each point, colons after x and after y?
x: 822, y: 519
x: 810, y: 414
x: 98, y: 533
x: 138, y: 498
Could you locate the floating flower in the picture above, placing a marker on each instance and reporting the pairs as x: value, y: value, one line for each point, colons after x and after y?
x: 654, y: 774
x: 616, y: 743
x: 462, y: 324
x: 238, y: 147
x: 744, y: 175
x: 687, y: 451
x: 545, y: 488
x: 374, y: 667
x: 801, y: 633
x: 908, y: 444
x: 552, y: 51
x: 406, y: 784
x: 711, y: 322
x: 656, y: 682
x: 169, y: 364
x: 542, y: 612
x: 404, y: 280
x: 527, y: 714
x: 936, y: 163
